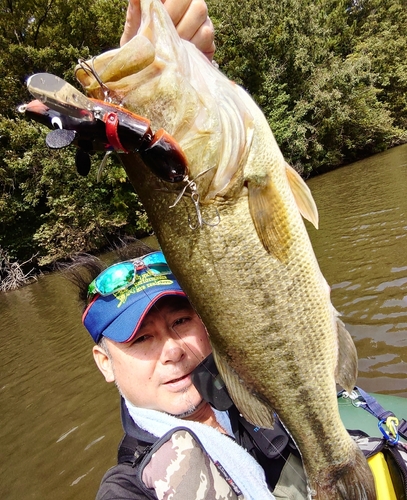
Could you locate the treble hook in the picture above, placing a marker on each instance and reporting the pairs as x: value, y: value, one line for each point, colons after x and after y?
x: 103, y: 165
x: 191, y: 184
x: 201, y: 220
x: 195, y: 201
x: 92, y: 71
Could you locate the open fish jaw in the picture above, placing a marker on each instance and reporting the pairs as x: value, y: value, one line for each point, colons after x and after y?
x: 253, y: 277
x: 183, y: 93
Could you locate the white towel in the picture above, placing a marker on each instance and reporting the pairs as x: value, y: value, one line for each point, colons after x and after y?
x: 240, y: 465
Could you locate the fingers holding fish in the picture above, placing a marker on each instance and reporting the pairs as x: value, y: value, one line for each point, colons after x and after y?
x: 193, y: 12
x: 191, y: 20
x: 190, y: 17
x: 132, y: 23
x: 203, y: 38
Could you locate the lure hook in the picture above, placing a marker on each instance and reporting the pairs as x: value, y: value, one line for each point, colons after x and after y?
x: 200, y: 220
x: 194, y: 195
x: 195, y: 201
x: 90, y: 69
x: 103, y: 165
x: 189, y: 184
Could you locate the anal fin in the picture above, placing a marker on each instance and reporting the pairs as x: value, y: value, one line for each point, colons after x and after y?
x: 251, y: 407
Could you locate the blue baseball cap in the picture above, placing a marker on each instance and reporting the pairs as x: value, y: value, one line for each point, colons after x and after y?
x: 118, y: 316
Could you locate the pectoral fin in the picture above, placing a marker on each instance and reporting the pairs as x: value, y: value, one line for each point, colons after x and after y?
x: 252, y: 408
x: 265, y: 204
x: 302, y: 195
x: 347, y: 367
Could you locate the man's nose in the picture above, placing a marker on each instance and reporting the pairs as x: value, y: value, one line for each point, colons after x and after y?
x: 173, y: 349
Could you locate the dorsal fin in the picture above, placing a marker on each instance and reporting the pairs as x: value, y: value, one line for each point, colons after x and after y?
x: 347, y: 367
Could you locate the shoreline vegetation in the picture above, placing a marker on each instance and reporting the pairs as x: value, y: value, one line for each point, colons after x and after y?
x: 330, y: 77
x: 12, y: 274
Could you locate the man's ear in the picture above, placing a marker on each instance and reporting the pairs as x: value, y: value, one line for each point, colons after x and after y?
x: 104, y: 363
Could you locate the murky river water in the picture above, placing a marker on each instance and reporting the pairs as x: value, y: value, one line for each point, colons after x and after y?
x: 60, y: 422
x: 362, y: 250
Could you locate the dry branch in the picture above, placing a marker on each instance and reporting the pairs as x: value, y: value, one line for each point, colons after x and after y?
x: 12, y: 275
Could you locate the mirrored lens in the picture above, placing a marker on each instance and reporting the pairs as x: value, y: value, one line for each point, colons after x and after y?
x: 154, y: 258
x: 116, y: 277
x: 159, y: 268
x: 123, y: 274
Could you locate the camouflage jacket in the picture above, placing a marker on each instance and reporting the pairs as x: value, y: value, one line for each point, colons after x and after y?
x: 177, y: 466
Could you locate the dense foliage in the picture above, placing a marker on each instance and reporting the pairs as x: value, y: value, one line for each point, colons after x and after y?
x: 330, y: 76
x: 45, y: 206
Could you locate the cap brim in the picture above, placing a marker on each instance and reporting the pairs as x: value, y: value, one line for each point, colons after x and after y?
x: 119, y: 316
x: 125, y: 327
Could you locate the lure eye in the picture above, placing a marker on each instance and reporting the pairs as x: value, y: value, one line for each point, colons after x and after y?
x: 56, y: 122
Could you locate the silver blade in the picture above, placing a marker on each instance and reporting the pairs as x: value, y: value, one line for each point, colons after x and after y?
x: 60, y: 96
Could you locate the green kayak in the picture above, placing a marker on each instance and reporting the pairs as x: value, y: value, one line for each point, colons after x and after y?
x: 387, y: 458
x: 356, y: 418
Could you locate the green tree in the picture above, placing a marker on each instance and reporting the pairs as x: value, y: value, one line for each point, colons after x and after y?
x: 329, y: 75
x: 45, y: 206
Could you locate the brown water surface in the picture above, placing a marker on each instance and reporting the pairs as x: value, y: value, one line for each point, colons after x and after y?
x: 362, y: 251
x: 60, y: 422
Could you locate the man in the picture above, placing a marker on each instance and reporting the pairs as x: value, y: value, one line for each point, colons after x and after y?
x: 151, y: 343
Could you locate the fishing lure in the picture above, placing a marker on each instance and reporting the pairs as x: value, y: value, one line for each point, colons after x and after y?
x: 93, y: 125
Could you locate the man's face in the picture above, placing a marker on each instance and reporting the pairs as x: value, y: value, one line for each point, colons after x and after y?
x: 154, y: 369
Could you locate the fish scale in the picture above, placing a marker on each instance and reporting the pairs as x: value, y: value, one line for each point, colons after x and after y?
x: 248, y: 268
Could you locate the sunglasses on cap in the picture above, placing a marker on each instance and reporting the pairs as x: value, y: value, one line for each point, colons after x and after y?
x: 123, y: 274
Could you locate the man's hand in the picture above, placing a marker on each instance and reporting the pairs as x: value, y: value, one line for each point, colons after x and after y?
x: 190, y: 18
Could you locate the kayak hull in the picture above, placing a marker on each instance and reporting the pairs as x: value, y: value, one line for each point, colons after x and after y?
x: 356, y: 418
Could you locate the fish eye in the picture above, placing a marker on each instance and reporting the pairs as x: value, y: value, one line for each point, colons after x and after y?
x: 56, y: 122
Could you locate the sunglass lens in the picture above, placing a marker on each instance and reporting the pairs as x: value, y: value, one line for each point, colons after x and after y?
x: 154, y: 258
x: 116, y: 277
x: 159, y: 268
x: 156, y: 263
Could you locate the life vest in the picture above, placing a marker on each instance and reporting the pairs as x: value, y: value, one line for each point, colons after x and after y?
x: 273, y: 449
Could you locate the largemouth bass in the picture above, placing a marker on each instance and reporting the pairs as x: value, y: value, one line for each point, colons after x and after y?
x: 233, y: 234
